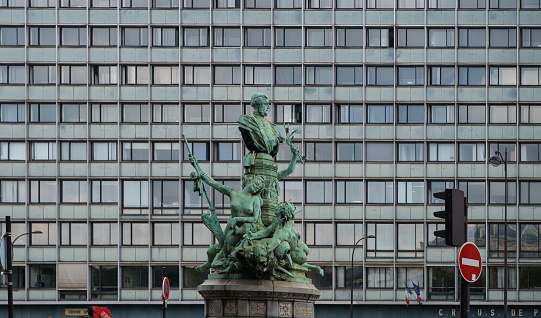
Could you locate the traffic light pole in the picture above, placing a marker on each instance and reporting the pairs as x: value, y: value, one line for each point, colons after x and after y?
x: 465, y: 285
x: 164, y: 306
x: 9, y: 269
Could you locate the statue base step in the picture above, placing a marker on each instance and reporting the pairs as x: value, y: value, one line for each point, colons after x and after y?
x: 245, y: 298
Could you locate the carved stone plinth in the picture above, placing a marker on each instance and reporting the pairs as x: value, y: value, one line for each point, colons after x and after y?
x: 244, y: 298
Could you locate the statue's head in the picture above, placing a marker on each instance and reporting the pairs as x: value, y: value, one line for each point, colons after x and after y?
x: 260, y: 103
x: 254, y: 181
x: 285, y: 211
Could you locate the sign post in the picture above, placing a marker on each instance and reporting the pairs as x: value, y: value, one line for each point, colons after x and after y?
x: 469, y: 263
x: 166, y: 287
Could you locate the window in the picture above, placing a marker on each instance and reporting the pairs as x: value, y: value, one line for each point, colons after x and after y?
x: 257, y: 37
x: 503, y: 37
x: 104, y: 3
x: 318, y: 151
x: 227, y: 151
x: 411, y: 37
x: 380, y: 114
x: 411, y: 114
x: 166, y: 4
x: 74, y: 191
x: 226, y: 4
x: 171, y: 272
x: 197, y: 113
x: 379, y: 151
x: 380, y: 75
x: 434, y: 240
x: 531, y: 37
x: 441, y: 283
x: 442, y: 114
x: 104, y: 233
x: 226, y: 37
x: 257, y: 75
x: 471, y: 75
x: 503, y: 148
x: 530, y: 192
x: 380, y: 4
x: 195, y: 4
x: 288, y: 4
x: 529, y: 241
x: 318, y: 234
x: 411, y: 192
x: 344, y: 277
x: 135, y: 197
x: 349, y: 114
x: 472, y: 4
x: 73, y: 234
x: 319, y: 4
x: 318, y: 114
x: 135, y: 75
x: 496, y: 278
x: 135, y: 113
x: 221, y: 201
x: 227, y: 113
x: 349, y: 151
x: 200, y: 150
x: 411, y: 75
x: 166, y: 151
x: 227, y: 75
x: 104, y: 191
x: 529, y: 76
x: 407, y: 275
x: 165, y: 75
x: 134, y: 3
x: 135, y: 151
x: 165, y: 113
x: 503, y: 75
x: 410, y: 240
x: 165, y: 197
x: 104, y: 36
x: 503, y: 114
x: 322, y: 282
x: 497, y: 238
x: 48, y: 235
x: 287, y: 37
x: 474, y: 191
x: 164, y: 36
x: 471, y: 152
x: 191, y: 277
x: 105, y: 74
x: 104, y: 113
x: 319, y: 192
x: 135, y: 277
x: 349, y: 4
x: 347, y: 234
x: 441, y: 152
x: 196, y: 37
x: 380, y: 192
x: 166, y: 234
x: 43, y: 151
x: 319, y: 37
x: 496, y: 193
x: 196, y: 234
x: 10, y: 150
x: 349, y: 75
x: 530, y: 4
x: 477, y: 234
x: 12, y: 191
x: 42, y: 276
x: 73, y: 75
x: 73, y: 36
x: 530, y: 153
x: 288, y: 75
x: 441, y: 37
x: 196, y: 75
x: 411, y: 152
x: 104, y: 151
x: 471, y: 114
x: 411, y: 4
x: 349, y: 37
x: 503, y: 4
x: 291, y: 191
x: 441, y: 4
x: 440, y: 76
x: 379, y: 277
x: 135, y: 234
x: 42, y: 191
x: 380, y: 37
x: 349, y: 192
x: 284, y: 154
x: 471, y: 37
x: 104, y: 282
x: 288, y: 113
x: 73, y: 113
x: 12, y: 74
x: 383, y: 244
x: 529, y: 114
x: 43, y: 75
x: 73, y: 151
x: 438, y: 186
x: 257, y: 4
x: 11, y: 36
x: 529, y: 278
x: 42, y: 36
x: 319, y: 75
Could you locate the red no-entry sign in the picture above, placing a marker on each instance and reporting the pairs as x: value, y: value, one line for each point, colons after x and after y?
x: 469, y: 262
x: 166, y: 287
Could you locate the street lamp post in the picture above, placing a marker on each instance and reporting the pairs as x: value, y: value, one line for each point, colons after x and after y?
x: 9, y: 261
x: 495, y: 161
x: 352, y: 258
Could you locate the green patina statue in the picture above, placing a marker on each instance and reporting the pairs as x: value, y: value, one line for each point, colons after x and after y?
x: 259, y: 240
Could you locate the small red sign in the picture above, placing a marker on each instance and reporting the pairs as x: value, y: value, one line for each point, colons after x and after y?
x: 101, y: 312
x: 469, y: 262
x: 165, y: 288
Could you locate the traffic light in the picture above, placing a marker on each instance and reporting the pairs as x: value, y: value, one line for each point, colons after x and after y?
x: 455, y: 226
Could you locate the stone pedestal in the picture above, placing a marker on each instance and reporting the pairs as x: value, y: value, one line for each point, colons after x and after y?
x: 244, y: 298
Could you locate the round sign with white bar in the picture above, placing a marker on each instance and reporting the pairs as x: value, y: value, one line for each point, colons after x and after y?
x: 469, y: 262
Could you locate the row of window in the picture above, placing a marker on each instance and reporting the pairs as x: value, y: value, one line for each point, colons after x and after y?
x: 263, y: 75
x: 281, y: 113
x: 261, y: 37
x: 165, y: 197
x: 278, y: 4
